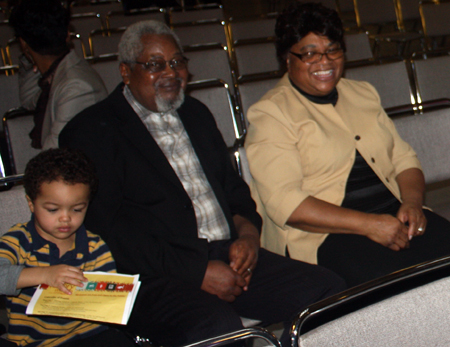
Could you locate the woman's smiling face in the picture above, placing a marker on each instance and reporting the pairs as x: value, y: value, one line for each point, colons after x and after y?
x: 319, y: 78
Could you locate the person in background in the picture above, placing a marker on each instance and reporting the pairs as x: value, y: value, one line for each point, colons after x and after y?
x: 172, y: 208
x: 53, y: 80
x: 333, y: 180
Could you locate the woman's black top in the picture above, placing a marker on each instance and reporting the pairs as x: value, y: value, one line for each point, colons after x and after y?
x: 365, y: 192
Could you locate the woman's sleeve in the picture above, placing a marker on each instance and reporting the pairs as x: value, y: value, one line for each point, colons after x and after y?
x: 274, y: 160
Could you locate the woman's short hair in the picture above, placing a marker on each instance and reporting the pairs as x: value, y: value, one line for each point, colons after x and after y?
x: 299, y: 19
x: 71, y: 166
x: 131, y: 47
x: 43, y: 25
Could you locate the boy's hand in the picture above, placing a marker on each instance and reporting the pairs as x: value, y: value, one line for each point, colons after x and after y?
x: 57, y: 275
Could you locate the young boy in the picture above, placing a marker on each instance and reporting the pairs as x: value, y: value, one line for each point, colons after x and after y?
x: 54, y: 248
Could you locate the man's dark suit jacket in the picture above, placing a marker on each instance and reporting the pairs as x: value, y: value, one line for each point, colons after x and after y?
x: 141, y: 209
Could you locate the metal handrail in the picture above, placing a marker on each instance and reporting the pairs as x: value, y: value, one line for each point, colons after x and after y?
x: 255, y: 332
x: 11, y: 179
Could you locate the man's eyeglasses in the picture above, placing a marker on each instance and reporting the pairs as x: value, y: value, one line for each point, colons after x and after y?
x: 158, y: 65
x: 315, y: 57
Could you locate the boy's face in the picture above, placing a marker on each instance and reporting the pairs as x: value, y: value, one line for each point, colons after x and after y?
x: 59, y: 211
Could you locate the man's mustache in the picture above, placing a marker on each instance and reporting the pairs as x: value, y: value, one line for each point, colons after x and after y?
x: 168, y: 81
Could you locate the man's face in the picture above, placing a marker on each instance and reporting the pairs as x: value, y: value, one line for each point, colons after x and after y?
x: 159, y: 91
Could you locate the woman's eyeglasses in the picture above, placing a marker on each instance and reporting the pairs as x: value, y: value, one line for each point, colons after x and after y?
x: 315, y: 57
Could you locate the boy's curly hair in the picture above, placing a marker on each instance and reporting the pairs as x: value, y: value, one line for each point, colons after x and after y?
x: 59, y: 164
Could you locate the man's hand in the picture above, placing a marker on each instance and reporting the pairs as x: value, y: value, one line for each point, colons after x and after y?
x: 221, y: 280
x: 243, y: 253
x: 244, y: 256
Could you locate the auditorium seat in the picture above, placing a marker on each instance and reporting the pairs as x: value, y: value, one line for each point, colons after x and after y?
x: 13, y: 51
x: 17, y: 126
x: 14, y: 207
x: 77, y: 44
x: 203, y: 34
x: 427, y: 134
x: 83, y: 24
x: 118, y: 19
x: 358, y: 47
x: 6, y: 33
x: 392, y: 81
x: 369, y: 13
x: 256, y: 58
x: 9, y: 89
x: 256, y: 28
x: 409, y: 10
x: 100, y: 7
x: 209, y: 63
x: 216, y: 96
x: 108, y: 69
x: 347, y: 12
x: 201, y: 13
x: 3, y: 59
x: 435, y: 16
x: 409, y: 307
x: 432, y: 75
x: 251, y: 90
x: 105, y: 42
x: 253, y: 46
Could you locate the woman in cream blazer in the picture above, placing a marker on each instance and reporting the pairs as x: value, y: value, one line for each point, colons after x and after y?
x: 334, y: 182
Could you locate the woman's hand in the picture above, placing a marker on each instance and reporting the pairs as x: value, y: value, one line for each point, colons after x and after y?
x: 412, y: 213
x: 412, y: 187
x: 387, y: 231
x: 316, y: 215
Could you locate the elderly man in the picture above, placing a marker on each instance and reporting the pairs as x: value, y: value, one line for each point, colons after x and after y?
x: 171, y: 207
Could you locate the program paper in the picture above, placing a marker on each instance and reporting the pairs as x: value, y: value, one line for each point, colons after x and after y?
x: 105, y: 297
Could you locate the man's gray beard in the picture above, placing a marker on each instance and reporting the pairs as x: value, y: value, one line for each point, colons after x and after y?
x: 163, y: 105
